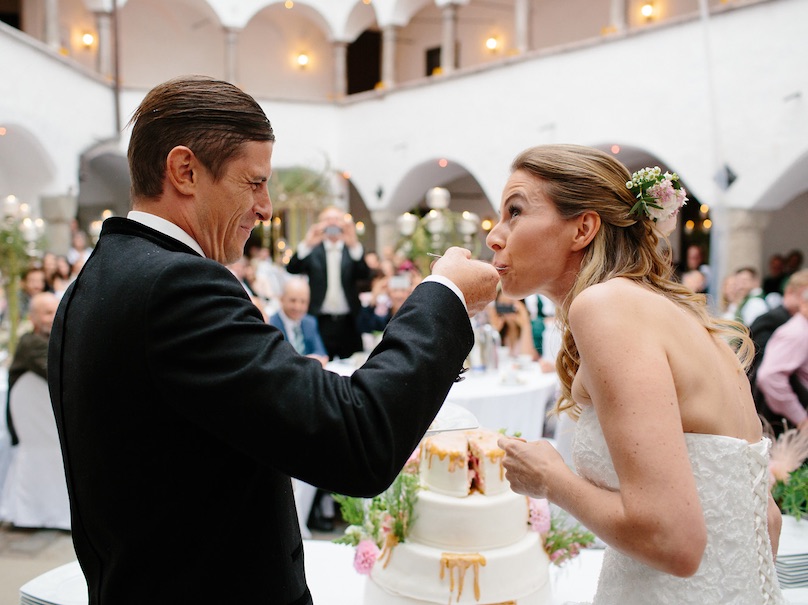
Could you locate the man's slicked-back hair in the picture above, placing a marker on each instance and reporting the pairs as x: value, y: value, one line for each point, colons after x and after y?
x: 211, y: 117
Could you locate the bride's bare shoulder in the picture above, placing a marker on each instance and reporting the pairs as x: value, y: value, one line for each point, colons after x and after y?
x: 616, y: 298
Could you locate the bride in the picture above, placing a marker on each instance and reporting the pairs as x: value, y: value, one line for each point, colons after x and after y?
x: 672, y: 466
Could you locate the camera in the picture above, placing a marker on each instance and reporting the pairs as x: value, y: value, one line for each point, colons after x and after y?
x: 505, y: 309
x: 333, y: 230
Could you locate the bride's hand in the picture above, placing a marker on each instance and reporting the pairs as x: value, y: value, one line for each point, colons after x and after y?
x: 531, y: 467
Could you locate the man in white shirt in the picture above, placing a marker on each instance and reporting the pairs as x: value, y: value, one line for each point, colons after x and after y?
x: 333, y: 258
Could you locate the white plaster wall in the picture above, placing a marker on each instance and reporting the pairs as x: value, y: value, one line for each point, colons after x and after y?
x: 268, y: 49
x: 787, y: 229
x: 63, y: 108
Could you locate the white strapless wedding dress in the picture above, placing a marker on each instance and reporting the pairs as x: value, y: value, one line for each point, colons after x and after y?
x: 732, y: 481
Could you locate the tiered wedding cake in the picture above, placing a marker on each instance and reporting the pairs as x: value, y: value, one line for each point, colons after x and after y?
x: 470, y: 541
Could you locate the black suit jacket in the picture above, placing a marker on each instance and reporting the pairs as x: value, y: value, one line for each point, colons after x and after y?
x: 315, y: 266
x: 182, y: 416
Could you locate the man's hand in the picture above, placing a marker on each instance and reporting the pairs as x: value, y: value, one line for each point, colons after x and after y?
x: 477, y: 280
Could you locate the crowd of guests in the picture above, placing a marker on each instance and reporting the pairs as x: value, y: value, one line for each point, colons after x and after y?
x: 334, y: 299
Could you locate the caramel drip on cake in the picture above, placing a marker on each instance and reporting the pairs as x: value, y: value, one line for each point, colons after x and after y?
x: 456, y: 459
x: 390, y: 543
x: 461, y: 562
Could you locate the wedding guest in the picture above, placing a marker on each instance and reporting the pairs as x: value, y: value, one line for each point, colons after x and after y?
x: 511, y: 319
x: 31, y: 354
x: 387, y: 296
x: 749, y: 303
x: 786, y: 354
x: 694, y: 257
x: 663, y: 405
x: 182, y: 415
x: 793, y: 261
x: 79, y: 250
x: 32, y: 283
x: 773, y: 282
x: 333, y: 258
x: 762, y: 330
x: 294, y: 321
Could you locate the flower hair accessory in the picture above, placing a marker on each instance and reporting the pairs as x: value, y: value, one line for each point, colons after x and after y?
x: 659, y: 197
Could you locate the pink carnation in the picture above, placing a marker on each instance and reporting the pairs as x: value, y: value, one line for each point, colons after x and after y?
x: 670, y: 198
x: 539, y: 515
x: 365, y: 556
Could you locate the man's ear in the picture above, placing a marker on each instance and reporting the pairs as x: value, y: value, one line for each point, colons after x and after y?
x: 181, y: 169
x: 588, y: 225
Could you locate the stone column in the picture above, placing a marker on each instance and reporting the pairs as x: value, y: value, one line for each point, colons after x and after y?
x: 743, y: 237
x: 58, y: 212
x: 340, y: 52
x: 52, y: 24
x: 231, y: 54
x: 617, y: 14
x: 386, y: 232
x: 449, y: 39
x: 522, y: 22
x: 104, y: 58
x: 389, y: 38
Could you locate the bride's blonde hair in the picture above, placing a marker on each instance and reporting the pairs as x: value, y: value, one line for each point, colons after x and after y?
x: 580, y: 179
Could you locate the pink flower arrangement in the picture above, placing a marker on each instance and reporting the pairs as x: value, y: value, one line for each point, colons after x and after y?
x: 539, y: 515
x: 562, y: 540
x: 365, y: 556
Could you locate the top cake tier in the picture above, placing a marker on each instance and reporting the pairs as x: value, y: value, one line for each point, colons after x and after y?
x: 458, y: 463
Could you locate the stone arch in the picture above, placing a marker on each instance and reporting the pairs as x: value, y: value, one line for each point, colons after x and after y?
x: 787, y: 200
x: 191, y: 25
x: 26, y: 167
x: 103, y: 183
x: 465, y: 190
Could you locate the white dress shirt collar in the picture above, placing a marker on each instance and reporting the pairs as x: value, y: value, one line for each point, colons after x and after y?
x: 165, y: 227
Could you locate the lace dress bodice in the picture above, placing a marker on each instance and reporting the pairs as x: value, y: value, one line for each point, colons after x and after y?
x: 732, y: 482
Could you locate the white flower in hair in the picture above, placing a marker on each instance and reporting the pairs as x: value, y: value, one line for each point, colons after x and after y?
x: 659, y: 197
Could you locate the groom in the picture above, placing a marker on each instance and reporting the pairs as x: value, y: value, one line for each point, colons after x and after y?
x: 182, y: 415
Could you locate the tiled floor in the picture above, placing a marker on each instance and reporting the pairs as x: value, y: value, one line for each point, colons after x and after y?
x: 27, y: 553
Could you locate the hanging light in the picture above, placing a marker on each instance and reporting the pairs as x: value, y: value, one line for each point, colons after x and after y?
x: 647, y: 10
x: 302, y: 60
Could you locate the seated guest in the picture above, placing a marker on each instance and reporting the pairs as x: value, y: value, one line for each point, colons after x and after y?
x: 298, y: 327
x: 786, y: 354
x: 761, y: 331
x: 511, y: 319
x: 31, y: 354
x: 749, y: 303
x: 387, y: 296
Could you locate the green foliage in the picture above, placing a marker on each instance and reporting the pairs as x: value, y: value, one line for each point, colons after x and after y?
x: 372, y: 518
x: 792, y: 495
x: 565, y: 539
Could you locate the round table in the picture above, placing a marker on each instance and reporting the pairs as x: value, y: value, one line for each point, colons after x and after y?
x: 333, y: 581
x: 515, y: 400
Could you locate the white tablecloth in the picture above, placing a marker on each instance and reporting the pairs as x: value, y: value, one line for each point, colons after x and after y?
x: 516, y: 402
x: 333, y: 581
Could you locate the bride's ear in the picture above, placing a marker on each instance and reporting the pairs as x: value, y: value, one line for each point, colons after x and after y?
x: 588, y: 225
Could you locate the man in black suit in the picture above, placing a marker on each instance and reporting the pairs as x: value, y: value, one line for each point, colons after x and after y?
x: 333, y: 258
x: 182, y: 415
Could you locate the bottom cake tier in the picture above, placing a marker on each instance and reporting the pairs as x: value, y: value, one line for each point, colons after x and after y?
x: 516, y: 574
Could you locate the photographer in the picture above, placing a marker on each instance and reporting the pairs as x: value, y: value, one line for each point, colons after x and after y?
x: 333, y: 259
x: 511, y: 319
